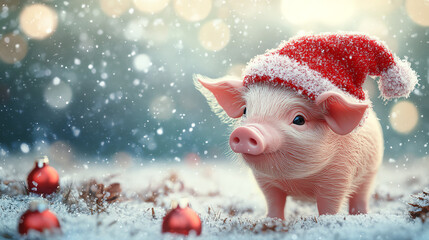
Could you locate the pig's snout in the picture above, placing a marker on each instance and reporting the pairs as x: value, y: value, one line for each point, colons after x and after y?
x: 254, y: 140
x: 247, y: 140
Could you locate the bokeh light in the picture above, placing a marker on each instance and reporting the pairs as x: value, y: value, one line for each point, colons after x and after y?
x: 114, y: 8
x: 192, y: 159
x: 60, y: 153
x: 404, y: 117
x: 122, y: 159
x: 312, y: 12
x: 236, y: 70
x: 150, y: 6
x: 214, y: 35
x: 418, y: 10
x: 38, y: 21
x: 193, y: 10
x: 142, y: 63
x: 58, y: 95
x: 379, y: 7
x: 135, y: 29
x: 13, y: 48
x: 162, y: 107
x: 246, y: 8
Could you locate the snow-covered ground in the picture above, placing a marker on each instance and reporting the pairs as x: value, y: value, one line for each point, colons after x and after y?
x: 223, y: 194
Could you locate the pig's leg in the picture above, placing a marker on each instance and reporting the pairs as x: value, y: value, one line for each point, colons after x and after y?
x: 329, y: 206
x: 359, y: 201
x: 276, y: 200
x: 329, y: 200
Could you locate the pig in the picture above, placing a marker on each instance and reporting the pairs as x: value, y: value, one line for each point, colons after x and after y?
x: 303, y: 123
x: 300, y: 148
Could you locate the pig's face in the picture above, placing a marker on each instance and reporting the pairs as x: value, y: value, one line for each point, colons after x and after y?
x: 280, y: 133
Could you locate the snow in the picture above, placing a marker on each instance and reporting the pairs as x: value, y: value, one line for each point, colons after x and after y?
x: 225, y: 196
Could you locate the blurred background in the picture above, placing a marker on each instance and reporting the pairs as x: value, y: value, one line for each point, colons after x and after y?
x: 111, y: 80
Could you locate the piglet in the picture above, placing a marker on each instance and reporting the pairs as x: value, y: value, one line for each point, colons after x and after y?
x: 302, y: 122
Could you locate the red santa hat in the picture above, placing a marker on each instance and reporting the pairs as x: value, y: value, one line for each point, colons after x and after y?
x: 315, y: 64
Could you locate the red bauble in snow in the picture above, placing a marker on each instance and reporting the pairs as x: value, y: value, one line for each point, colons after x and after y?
x: 38, y: 218
x: 181, y: 220
x: 43, y: 179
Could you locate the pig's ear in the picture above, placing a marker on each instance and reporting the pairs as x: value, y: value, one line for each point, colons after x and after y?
x: 342, y: 115
x: 227, y: 92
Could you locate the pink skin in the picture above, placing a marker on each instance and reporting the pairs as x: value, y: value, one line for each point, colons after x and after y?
x: 327, y: 159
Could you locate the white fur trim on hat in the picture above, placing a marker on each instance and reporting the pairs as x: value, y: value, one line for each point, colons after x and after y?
x: 299, y: 74
x: 398, y: 80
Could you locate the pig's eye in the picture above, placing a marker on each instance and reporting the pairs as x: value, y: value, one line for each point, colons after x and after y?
x: 299, y: 120
x: 244, y: 111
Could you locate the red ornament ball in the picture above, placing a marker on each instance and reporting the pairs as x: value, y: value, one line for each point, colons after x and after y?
x: 43, y: 179
x: 38, y: 218
x: 181, y: 221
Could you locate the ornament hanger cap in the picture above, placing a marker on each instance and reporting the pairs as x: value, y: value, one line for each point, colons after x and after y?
x: 40, y: 162
x: 38, y: 205
x: 174, y: 204
x: 183, y: 203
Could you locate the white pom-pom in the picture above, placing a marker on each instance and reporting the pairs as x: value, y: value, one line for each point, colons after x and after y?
x: 398, y: 81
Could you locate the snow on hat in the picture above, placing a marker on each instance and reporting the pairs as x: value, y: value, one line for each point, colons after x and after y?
x: 315, y: 64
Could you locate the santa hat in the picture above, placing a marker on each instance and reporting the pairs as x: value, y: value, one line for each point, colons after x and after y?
x: 315, y: 64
